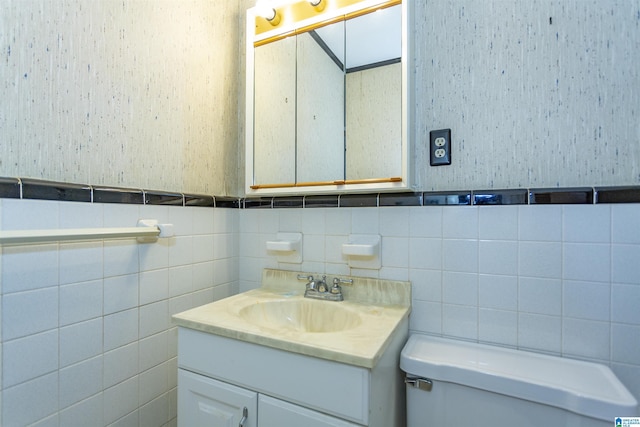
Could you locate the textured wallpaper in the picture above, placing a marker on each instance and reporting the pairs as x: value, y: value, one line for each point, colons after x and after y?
x: 141, y: 93
x: 538, y: 93
x: 131, y: 93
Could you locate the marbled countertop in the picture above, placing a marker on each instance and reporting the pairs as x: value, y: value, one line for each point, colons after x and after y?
x: 381, y: 305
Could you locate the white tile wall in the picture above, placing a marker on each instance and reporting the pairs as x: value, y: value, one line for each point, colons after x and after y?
x: 101, y: 347
x: 86, y: 331
x: 559, y: 279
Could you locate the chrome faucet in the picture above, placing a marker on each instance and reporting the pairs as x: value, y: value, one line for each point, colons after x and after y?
x: 320, y: 290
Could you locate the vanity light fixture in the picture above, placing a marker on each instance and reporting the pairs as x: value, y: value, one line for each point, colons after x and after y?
x: 268, y: 12
x: 318, y: 5
x: 269, y: 9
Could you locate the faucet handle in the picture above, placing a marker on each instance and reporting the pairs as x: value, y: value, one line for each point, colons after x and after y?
x: 337, y: 281
x: 322, y: 284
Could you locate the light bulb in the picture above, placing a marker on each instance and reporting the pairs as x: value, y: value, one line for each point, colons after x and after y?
x: 264, y: 9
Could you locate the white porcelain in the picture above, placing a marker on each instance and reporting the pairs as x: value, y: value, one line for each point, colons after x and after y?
x: 31, y: 312
x: 498, y: 257
x: 120, y: 364
x: 587, y: 339
x: 460, y: 222
x: 120, y: 400
x: 425, y: 222
x: 625, y: 223
x: 153, y: 350
x: 121, y: 257
x: 120, y: 328
x: 395, y: 252
x: 624, y: 343
x: 425, y: 253
x: 80, y: 381
x: 17, y: 272
x: 27, y: 358
x: 540, y: 332
x: 498, y: 326
x: 181, y: 251
x: 80, y: 261
x: 540, y: 259
x: 540, y: 296
x: 80, y: 341
x: 586, y: 261
x: 498, y: 292
x: 365, y: 221
x: 120, y: 293
x: 394, y: 222
x: 287, y: 247
x: 156, y: 412
x: 498, y: 222
x: 19, y: 401
x: 625, y: 267
x: 154, y: 285
x: 80, y: 301
x: 540, y: 223
x: 624, y: 300
x: 363, y: 251
x: 586, y: 300
x: 154, y: 318
x: 460, y: 255
x: 85, y: 412
x: 586, y: 224
x: 469, y: 379
x: 153, y: 383
x: 460, y: 288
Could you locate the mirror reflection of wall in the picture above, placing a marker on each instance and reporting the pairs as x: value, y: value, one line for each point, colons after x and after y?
x: 374, y: 122
x: 275, y: 112
x: 321, y: 100
x: 374, y: 95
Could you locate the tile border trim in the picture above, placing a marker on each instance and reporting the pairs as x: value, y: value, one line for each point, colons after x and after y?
x: 35, y: 189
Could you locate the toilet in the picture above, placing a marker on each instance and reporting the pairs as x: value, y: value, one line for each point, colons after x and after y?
x: 457, y: 383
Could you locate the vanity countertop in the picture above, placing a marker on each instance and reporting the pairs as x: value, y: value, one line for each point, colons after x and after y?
x: 382, y: 307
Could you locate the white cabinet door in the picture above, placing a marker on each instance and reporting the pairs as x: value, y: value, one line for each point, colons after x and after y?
x: 274, y: 412
x: 204, y: 402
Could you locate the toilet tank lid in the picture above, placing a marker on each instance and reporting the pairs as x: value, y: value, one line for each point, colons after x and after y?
x: 584, y: 388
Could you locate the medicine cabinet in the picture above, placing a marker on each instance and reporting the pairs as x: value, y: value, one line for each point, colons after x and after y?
x: 328, y: 105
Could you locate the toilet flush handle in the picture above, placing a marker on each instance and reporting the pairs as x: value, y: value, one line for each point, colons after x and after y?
x: 423, y: 384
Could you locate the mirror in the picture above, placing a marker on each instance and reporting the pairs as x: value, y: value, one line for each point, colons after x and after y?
x: 325, y: 102
x: 374, y: 95
x: 321, y: 104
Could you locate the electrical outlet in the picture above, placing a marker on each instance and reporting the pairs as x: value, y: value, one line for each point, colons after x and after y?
x: 440, y: 147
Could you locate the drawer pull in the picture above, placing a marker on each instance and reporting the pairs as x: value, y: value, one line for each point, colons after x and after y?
x: 245, y: 415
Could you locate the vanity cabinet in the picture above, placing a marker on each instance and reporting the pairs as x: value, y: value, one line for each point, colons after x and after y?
x: 219, y: 376
x: 212, y: 403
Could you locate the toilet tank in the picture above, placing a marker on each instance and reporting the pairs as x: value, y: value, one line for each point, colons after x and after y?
x: 453, y: 382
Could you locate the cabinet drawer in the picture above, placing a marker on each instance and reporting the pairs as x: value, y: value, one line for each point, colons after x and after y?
x: 331, y: 387
x: 274, y: 412
x: 204, y: 401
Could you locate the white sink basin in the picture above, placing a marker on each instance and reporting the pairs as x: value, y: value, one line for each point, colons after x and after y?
x: 301, y: 315
x: 355, y: 331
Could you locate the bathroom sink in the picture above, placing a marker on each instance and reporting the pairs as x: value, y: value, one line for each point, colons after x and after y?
x: 301, y: 315
x: 355, y: 331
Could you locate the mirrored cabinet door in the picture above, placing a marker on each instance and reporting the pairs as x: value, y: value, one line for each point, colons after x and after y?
x: 321, y: 101
x: 374, y: 95
x: 274, y: 132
